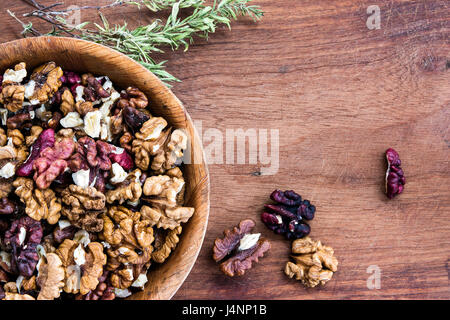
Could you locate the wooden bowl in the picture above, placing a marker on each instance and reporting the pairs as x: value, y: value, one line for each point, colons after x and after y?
x: 84, y: 56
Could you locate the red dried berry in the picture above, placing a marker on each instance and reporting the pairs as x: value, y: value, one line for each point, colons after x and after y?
x: 395, y: 178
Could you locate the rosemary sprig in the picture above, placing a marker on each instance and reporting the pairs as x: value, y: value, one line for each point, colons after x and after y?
x: 139, y: 43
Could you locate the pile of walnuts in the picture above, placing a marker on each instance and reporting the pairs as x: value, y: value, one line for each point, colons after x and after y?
x: 91, y: 192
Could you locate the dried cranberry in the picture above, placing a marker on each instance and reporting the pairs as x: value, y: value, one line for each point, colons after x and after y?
x: 23, y: 237
x: 287, y: 216
x: 395, y: 178
x: 46, y: 139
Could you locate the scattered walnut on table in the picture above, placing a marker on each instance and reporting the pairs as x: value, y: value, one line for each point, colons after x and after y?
x: 239, y: 248
x: 314, y: 262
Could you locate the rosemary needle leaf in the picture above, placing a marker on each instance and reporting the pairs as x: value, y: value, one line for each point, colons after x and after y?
x: 140, y: 42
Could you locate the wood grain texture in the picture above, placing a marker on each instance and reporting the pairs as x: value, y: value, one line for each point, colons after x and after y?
x: 340, y: 95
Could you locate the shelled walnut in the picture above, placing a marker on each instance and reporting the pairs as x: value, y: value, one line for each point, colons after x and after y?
x: 73, y: 216
x: 165, y: 242
x: 39, y: 204
x: 314, y: 262
x: 239, y: 248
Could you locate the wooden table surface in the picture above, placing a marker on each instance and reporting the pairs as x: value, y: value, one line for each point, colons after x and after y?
x: 340, y: 95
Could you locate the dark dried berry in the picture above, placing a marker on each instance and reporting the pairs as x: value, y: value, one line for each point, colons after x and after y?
x: 395, y: 178
x: 287, y: 216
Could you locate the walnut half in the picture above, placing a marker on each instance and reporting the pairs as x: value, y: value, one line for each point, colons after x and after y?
x: 314, y: 262
x: 239, y: 248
